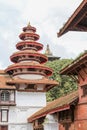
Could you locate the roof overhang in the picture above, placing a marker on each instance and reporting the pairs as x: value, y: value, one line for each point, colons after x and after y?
x: 65, y: 107
x: 75, y: 66
x: 77, y: 21
x: 47, y: 82
x: 60, y: 104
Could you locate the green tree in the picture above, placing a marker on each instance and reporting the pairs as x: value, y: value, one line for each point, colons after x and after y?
x: 66, y: 84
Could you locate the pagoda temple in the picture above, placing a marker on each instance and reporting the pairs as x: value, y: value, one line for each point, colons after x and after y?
x: 25, y: 83
x: 29, y: 63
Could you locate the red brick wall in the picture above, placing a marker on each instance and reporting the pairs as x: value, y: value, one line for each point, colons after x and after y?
x: 81, y: 125
x: 61, y: 127
x: 81, y: 112
x: 81, y: 109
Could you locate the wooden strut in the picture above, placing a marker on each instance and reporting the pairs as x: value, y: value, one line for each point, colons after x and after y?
x: 83, y: 69
x: 86, y: 67
x: 85, y: 64
x: 80, y: 18
x: 81, y: 27
x: 81, y: 76
x: 74, y: 77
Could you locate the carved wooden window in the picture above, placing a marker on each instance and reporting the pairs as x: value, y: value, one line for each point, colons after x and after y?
x: 38, y: 124
x: 3, y: 127
x: 66, y: 115
x: 30, y: 86
x: 5, y: 96
x: 84, y: 90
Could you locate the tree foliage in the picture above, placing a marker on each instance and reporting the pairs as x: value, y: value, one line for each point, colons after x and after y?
x: 66, y: 84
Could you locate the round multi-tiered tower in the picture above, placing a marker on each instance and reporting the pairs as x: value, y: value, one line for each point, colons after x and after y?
x: 28, y: 67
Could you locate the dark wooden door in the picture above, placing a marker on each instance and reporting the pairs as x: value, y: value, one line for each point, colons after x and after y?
x: 3, y: 127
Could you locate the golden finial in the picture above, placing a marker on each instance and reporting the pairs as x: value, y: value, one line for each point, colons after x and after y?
x: 28, y: 24
x: 48, y: 52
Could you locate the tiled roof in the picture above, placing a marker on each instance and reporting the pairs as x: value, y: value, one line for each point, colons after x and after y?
x: 25, y: 51
x: 55, y: 106
x: 27, y: 64
x: 42, y: 57
x: 38, y: 81
x: 29, y: 52
x: 3, y: 80
x: 48, y: 71
x: 38, y: 45
x: 2, y: 72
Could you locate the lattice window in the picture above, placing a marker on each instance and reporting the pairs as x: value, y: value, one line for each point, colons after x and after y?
x: 30, y: 86
x: 84, y: 90
x: 5, y: 96
x: 38, y: 124
x: 66, y: 115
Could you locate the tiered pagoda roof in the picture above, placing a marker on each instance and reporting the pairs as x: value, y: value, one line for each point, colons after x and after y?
x: 28, y: 67
x: 4, y: 78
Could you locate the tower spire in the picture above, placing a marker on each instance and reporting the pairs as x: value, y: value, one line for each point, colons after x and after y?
x: 48, y: 52
x: 28, y: 24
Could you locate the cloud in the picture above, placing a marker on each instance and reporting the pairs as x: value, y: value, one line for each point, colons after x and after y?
x: 47, y: 16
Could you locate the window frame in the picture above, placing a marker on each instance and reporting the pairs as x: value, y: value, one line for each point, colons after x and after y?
x: 5, y: 96
x: 6, y: 116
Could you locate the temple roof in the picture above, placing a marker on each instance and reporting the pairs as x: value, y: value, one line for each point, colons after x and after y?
x: 3, y: 82
x: 48, y: 71
x: 38, y: 81
x: 29, y: 63
x: 42, y: 58
x: 48, y: 82
x: 2, y: 72
x: 34, y: 35
x: 29, y: 27
x: 77, y: 21
x: 38, y: 45
x: 76, y: 65
x: 57, y: 105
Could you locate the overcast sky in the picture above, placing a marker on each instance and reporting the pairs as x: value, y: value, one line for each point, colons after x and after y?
x: 48, y: 16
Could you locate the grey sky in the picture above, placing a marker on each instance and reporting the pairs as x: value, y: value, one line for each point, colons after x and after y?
x: 48, y: 17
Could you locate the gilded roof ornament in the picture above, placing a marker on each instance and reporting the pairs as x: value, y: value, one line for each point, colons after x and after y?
x: 48, y: 52
x: 29, y: 24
